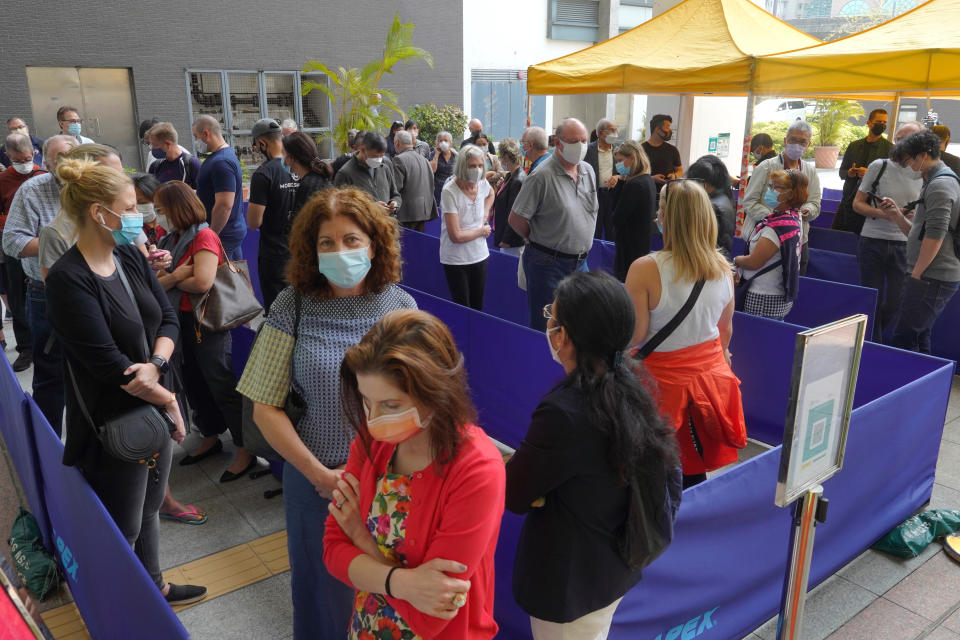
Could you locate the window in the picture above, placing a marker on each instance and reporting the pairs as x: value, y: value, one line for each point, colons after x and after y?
x: 237, y: 99
x: 633, y: 13
x: 855, y: 8
x: 574, y: 20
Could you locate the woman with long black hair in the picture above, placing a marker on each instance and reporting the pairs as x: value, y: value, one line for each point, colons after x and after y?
x: 596, y: 450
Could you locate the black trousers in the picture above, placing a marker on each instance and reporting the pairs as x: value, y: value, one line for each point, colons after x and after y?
x: 467, y: 282
x: 209, y: 380
x: 271, y: 271
x: 416, y: 226
x: 605, y: 206
x: 804, y: 258
x: 17, y: 297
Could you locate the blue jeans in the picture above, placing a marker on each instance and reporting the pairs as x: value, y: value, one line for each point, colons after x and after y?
x: 47, y: 367
x: 921, y: 304
x: 322, y: 605
x: 883, y: 266
x: 544, y: 272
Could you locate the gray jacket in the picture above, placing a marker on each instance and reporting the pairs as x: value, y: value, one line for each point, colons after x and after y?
x: 381, y: 185
x: 414, y: 179
x: 937, y: 217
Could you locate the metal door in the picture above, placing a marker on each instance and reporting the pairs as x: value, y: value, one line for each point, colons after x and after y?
x: 104, y: 98
x: 502, y: 107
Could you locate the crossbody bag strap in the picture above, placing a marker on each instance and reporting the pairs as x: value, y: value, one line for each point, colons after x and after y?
x: 298, y: 305
x: 766, y: 269
x: 133, y: 299
x: 675, y: 321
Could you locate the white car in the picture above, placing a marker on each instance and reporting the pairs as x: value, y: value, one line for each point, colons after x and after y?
x: 779, y: 110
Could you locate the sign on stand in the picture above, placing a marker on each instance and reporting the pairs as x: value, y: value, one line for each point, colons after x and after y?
x: 825, y: 366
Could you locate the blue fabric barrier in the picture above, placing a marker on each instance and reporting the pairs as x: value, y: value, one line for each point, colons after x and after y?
x: 112, y: 590
x: 833, y: 266
x: 822, y: 301
x: 834, y: 240
x: 824, y: 220
x: 832, y: 194
x: 251, y: 249
x: 732, y: 516
x: 22, y: 447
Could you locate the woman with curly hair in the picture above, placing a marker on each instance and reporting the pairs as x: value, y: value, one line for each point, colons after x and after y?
x: 343, y: 269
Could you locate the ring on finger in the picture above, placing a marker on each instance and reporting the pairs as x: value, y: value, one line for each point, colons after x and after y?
x: 459, y: 599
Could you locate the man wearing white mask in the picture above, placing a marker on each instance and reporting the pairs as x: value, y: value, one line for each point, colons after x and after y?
x: 17, y: 125
x: 600, y: 157
x: 370, y: 171
x: 556, y: 213
x: 760, y: 198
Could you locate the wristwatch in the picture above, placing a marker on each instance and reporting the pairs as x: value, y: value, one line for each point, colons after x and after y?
x: 160, y: 363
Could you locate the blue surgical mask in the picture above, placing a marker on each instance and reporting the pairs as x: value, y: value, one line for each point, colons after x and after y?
x: 75, y: 128
x: 622, y: 169
x: 131, y: 226
x: 159, y: 154
x: 345, y: 269
x: 771, y: 198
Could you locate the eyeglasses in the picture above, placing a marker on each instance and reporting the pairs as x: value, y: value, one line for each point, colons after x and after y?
x: 74, y: 121
x: 801, y: 141
x: 548, y: 311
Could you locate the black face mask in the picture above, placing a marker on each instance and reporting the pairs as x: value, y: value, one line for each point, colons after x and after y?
x: 878, y: 128
x: 666, y: 135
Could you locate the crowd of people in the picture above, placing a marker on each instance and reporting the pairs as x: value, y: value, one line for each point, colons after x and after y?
x: 393, y: 495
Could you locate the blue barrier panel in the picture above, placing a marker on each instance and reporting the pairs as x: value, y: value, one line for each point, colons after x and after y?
x: 733, y: 512
x: 242, y: 340
x: 251, y: 250
x: 833, y: 266
x: 19, y: 440
x: 834, y: 240
x: 112, y: 590
x: 832, y: 194
x: 822, y: 301
x: 824, y: 220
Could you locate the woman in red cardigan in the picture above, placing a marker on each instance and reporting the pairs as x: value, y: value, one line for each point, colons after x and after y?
x: 414, y: 521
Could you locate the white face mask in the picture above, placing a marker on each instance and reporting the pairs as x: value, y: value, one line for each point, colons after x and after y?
x: 573, y: 152
x: 553, y: 352
x: 444, y: 146
x: 374, y: 163
x: 610, y: 138
x: 475, y: 174
x: 23, y: 168
x: 148, y: 211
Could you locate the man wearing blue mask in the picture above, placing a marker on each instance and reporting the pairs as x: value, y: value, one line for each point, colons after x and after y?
x: 71, y: 124
x: 368, y: 170
x: 171, y: 161
x: 758, y: 202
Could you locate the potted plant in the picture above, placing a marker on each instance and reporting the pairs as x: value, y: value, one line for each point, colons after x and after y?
x: 827, y: 120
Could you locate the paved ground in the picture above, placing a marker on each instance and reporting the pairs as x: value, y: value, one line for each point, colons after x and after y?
x: 875, y: 597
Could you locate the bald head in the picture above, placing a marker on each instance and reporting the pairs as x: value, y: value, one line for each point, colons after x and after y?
x: 572, y: 130
x: 906, y: 129
x: 206, y: 123
x: 475, y: 126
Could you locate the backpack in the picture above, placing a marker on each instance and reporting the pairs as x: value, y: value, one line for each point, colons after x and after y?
x: 912, y: 206
x: 189, y: 175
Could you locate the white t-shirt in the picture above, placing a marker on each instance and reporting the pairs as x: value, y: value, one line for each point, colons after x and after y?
x: 471, y: 216
x: 770, y: 283
x: 604, y: 166
x: 894, y: 184
x: 700, y: 325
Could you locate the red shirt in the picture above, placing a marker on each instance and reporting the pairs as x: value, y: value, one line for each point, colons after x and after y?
x: 455, y: 516
x: 10, y: 181
x: 205, y: 240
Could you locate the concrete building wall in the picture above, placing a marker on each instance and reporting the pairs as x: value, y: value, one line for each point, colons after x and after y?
x: 159, y: 42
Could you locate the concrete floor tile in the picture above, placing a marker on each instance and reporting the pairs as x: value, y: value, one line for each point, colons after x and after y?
x: 944, y: 497
x: 951, y: 430
x: 931, y: 590
x: 942, y: 633
x: 953, y: 622
x: 190, y: 484
x: 882, y: 620
x: 948, y: 465
x: 266, y: 516
x: 261, y: 610
x: 878, y: 572
x: 752, y: 636
x: 832, y: 604
x: 225, y: 527
x: 768, y: 630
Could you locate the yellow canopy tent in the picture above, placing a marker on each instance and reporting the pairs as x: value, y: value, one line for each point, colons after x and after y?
x: 697, y: 47
x: 915, y: 54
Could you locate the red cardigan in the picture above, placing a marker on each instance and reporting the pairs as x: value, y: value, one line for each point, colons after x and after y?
x: 455, y: 516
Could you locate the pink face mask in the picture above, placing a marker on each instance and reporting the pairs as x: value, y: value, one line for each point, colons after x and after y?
x: 394, y: 428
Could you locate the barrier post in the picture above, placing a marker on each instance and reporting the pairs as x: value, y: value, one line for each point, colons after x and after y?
x: 800, y: 555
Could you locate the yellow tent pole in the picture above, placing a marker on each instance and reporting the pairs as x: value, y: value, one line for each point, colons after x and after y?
x: 896, y: 115
x: 744, y: 160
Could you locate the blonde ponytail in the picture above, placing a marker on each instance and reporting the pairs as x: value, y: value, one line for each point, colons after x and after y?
x: 86, y: 182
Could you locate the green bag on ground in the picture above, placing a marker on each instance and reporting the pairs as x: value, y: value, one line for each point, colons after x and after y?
x: 34, y: 565
x: 911, y: 537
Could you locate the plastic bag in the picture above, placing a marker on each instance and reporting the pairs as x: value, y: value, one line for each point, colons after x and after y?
x: 34, y: 565
x: 911, y: 537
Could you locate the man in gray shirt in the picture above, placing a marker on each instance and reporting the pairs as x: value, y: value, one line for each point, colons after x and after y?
x: 414, y: 178
x: 369, y: 171
x: 35, y: 206
x: 933, y: 266
x: 556, y: 213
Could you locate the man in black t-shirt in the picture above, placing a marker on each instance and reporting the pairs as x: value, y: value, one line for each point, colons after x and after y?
x: 272, y: 191
x: 664, y: 157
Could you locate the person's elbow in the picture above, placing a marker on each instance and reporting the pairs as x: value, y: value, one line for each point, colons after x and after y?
x: 519, y: 224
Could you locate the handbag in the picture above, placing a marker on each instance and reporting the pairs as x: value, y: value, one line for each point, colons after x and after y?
x: 230, y: 302
x: 294, y: 405
x: 648, y: 529
x: 671, y: 326
x: 136, y: 435
x: 740, y: 293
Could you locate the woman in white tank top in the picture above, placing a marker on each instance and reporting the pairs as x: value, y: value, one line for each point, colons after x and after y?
x: 696, y: 388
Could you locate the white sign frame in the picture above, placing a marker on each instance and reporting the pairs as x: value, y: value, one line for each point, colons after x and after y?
x: 825, y: 367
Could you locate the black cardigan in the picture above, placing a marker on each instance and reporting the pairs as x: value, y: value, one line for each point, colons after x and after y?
x: 567, y: 564
x: 99, y: 340
x: 502, y: 205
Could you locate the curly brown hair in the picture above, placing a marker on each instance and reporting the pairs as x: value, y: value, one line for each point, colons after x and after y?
x: 794, y: 184
x: 417, y: 353
x: 302, y: 270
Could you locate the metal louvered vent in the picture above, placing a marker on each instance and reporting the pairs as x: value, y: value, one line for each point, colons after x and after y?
x: 495, y: 75
x: 578, y: 13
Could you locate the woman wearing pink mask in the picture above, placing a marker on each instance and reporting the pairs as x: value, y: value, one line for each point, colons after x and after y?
x: 414, y: 521
x: 343, y: 269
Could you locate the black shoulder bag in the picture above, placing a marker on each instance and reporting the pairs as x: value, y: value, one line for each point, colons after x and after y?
x: 954, y: 233
x: 138, y: 434
x: 671, y: 326
x: 294, y: 406
x: 740, y: 293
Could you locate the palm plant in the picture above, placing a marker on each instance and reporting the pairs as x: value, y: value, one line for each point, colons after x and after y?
x: 358, y: 102
x: 829, y: 116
